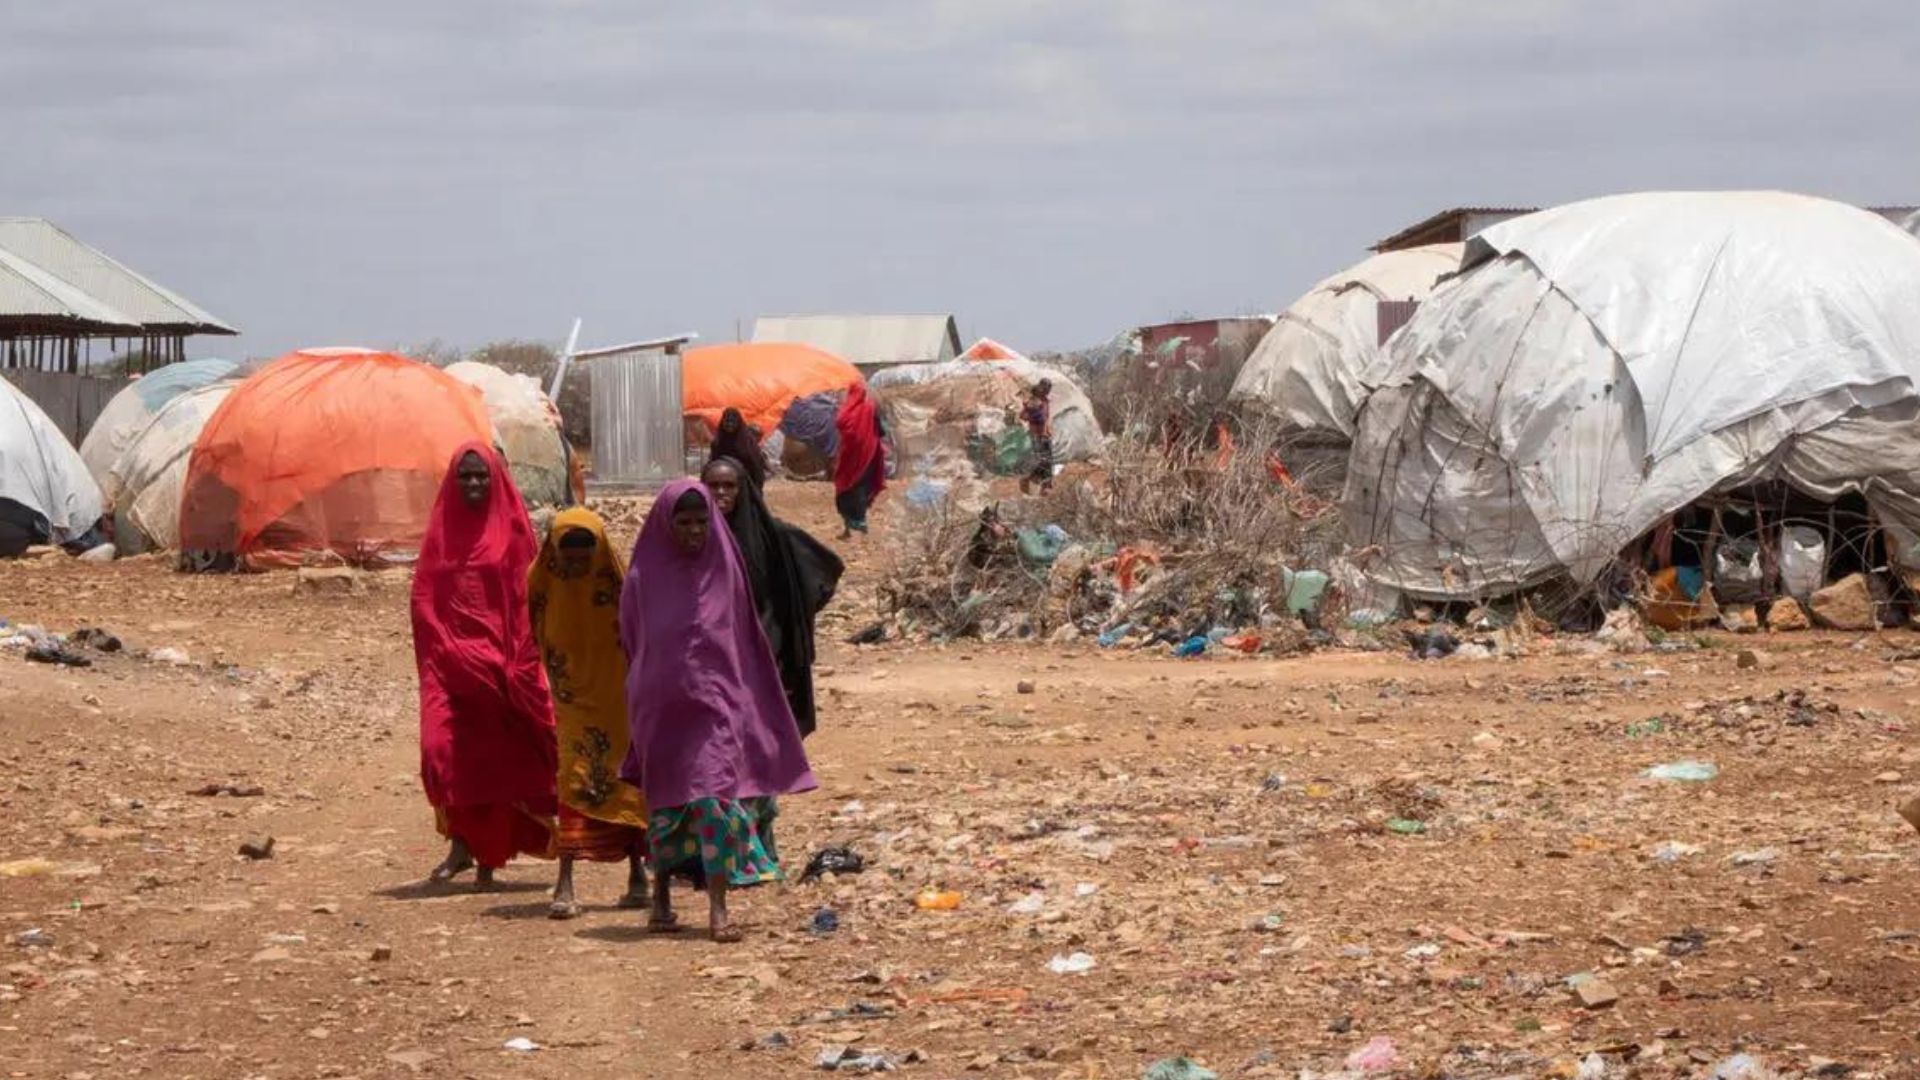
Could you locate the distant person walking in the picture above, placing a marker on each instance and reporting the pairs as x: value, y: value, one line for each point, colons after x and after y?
x: 713, y: 739
x: 1037, y: 414
x: 860, y: 472
x: 574, y: 597
x: 487, y: 756
x: 734, y: 439
x: 792, y: 576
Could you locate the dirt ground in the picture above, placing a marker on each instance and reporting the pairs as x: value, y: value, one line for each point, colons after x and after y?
x: 1269, y: 862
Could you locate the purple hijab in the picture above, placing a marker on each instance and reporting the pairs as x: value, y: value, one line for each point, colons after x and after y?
x: 704, y: 702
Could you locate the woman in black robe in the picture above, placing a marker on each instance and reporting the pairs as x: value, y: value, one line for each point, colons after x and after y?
x: 740, y: 442
x: 792, y: 575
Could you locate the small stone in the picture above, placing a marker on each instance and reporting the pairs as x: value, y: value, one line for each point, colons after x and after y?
x: 381, y: 954
x: 258, y: 849
x: 35, y: 938
x: 272, y: 955
x: 1910, y: 810
x: 1024, y: 686
x: 1754, y: 660
x: 329, y: 579
x: 1787, y: 615
x: 1888, y: 777
x: 1847, y: 604
x: 326, y: 909
x: 1596, y: 994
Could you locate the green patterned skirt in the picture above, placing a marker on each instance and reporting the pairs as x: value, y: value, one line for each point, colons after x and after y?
x: 721, y: 837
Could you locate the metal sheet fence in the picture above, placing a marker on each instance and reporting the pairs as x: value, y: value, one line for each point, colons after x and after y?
x: 638, y: 438
x: 72, y: 402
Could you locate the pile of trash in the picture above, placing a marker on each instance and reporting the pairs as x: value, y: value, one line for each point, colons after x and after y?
x: 1146, y: 554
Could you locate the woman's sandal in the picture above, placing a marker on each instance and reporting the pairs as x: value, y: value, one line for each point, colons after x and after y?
x: 726, y: 935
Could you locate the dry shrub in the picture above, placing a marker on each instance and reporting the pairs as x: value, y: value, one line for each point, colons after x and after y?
x: 1220, y: 527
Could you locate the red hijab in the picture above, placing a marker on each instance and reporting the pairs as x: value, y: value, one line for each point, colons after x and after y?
x: 486, y: 722
x: 859, y: 426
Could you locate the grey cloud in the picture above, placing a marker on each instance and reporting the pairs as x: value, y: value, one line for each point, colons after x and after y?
x: 469, y: 169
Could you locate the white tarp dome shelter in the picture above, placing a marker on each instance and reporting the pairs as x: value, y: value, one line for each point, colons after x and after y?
x: 1601, y: 365
x: 152, y: 472
x: 527, y: 428
x: 124, y: 417
x: 1307, y: 371
x: 46, y: 493
x: 944, y: 403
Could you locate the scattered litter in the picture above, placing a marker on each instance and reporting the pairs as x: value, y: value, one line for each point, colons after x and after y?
x: 1030, y: 904
x: 1432, y: 643
x: 1672, y: 851
x: 522, y: 1044
x: 1178, y: 1069
x: 35, y: 938
x: 1741, y: 1067
x: 1073, y: 964
x: 824, y: 922
x: 937, y: 900
x: 237, y: 791
x: 833, y: 860
x: 53, y: 653
x: 1379, y: 1055
x: 167, y: 654
x: 96, y: 638
x: 258, y: 849
x: 1406, y: 826
x: 1754, y: 858
x: 849, y: 1060
x: 1686, y: 771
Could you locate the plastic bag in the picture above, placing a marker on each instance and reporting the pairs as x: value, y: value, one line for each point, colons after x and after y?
x: 1803, y: 561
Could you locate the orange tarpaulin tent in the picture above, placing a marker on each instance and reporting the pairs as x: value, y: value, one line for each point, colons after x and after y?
x: 337, y: 450
x: 760, y: 380
x: 989, y: 349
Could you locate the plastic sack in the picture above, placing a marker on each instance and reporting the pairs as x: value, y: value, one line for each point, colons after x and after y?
x: 1041, y: 546
x: 1737, y: 574
x: 1803, y: 561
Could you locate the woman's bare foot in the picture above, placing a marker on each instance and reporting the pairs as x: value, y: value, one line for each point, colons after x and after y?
x: 458, y: 861
x: 564, y: 906
x: 636, y: 897
x: 662, y: 920
x: 719, y: 927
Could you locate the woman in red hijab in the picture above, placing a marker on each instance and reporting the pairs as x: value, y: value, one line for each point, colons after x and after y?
x: 860, y: 472
x: 487, y: 754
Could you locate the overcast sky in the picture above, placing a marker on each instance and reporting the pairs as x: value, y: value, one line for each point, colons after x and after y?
x: 359, y: 172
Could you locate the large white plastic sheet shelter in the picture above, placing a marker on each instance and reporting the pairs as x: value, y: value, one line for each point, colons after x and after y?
x: 974, y: 396
x: 151, y: 472
x: 1307, y: 371
x: 41, y: 472
x: 1601, y: 365
x: 526, y: 425
x: 128, y: 414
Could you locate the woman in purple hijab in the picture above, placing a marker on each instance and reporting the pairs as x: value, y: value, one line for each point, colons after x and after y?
x: 714, y: 740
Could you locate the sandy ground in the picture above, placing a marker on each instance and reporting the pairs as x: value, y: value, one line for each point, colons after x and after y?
x: 1213, y: 834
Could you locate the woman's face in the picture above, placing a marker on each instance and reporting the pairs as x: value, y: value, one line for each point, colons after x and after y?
x: 576, y: 559
x: 724, y: 481
x: 690, y: 528
x: 476, y: 480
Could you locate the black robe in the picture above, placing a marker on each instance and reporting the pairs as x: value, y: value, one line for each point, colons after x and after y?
x: 792, y: 576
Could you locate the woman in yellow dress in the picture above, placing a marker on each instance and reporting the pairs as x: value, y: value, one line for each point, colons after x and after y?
x: 574, y: 594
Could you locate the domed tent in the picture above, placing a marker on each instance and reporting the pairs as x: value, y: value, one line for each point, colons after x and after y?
x: 1306, y: 372
x: 1601, y: 366
x: 127, y: 414
x: 150, y: 473
x: 974, y: 405
x: 760, y: 380
x: 528, y: 430
x: 46, y: 494
x: 337, y: 450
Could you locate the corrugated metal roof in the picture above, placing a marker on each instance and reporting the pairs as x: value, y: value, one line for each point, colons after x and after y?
x: 1440, y: 218
x: 867, y: 340
x: 138, y: 300
x: 27, y: 291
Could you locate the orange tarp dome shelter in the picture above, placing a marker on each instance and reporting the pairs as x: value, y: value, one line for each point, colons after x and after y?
x: 989, y: 349
x: 337, y: 450
x: 760, y: 380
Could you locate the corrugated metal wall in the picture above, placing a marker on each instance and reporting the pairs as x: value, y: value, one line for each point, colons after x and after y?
x: 72, y: 402
x: 638, y: 438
